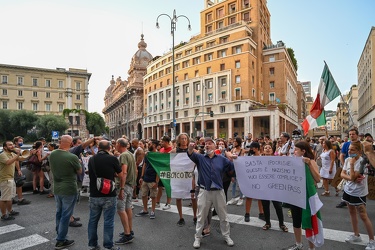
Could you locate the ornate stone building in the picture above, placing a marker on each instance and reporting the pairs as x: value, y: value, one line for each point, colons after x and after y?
x: 123, y: 101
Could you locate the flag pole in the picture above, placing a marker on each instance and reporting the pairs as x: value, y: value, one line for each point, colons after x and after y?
x: 342, y: 98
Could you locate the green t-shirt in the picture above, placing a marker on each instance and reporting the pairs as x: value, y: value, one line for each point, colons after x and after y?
x: 64, y: 167
x: 6, y: 171
x: 128, y: 159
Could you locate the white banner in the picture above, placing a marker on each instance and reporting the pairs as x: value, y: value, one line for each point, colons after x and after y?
x: 85, y: 162
x: 276, y: 178
x: 181, y: 175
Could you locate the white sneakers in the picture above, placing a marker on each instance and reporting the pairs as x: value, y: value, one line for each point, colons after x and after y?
x: 370, y: 245
x: 352, y: 238
x: 229, y: 241
x: 197, y: 243
x: 240, y: 202
x: 166, y: 207
x: 233, y: 201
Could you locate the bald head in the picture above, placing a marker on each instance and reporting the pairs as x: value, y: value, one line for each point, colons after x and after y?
x: 66, y: 141
x: 104, y: 145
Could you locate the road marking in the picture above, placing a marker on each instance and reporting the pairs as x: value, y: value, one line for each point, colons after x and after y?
x: 329, y: 234
x: 10, y: 228
x: 23, y: 243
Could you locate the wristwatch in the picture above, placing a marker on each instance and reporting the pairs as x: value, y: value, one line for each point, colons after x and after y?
x: 122, y: 188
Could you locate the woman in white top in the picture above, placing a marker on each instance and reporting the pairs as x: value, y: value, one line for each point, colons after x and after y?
x: 355, y: 191
x: 328, y: 169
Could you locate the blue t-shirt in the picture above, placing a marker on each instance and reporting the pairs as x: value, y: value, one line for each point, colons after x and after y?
x: 345, y: 149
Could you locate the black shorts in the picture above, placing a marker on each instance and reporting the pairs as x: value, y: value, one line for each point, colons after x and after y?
x: 160, y: 184
x: 353, y: 200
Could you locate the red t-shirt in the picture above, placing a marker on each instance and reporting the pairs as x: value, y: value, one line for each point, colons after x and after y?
x: 167, y: 150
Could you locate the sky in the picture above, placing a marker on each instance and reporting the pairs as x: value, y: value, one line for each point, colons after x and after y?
x: 102, y: 36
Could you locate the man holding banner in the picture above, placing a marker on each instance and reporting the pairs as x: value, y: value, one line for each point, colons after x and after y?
x: 210, y: 170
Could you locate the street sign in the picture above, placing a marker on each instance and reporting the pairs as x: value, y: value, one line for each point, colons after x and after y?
x: 55, y: 135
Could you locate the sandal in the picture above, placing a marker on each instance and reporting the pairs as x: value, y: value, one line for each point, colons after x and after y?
x: 326, y: 193
x: 337, y: 192
x: 284, y: 228
x: 266, y: 227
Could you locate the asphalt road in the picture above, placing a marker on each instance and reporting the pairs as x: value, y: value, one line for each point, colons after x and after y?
x: 34, y: 228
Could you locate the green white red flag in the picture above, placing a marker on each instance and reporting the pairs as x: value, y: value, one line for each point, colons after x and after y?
x: 311, y: 219
x: 327, y: 91
x: 175, y: 172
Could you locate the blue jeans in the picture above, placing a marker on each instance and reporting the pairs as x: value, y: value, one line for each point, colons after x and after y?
x: 234, y: 186
x: 107, y: 205
x: 64, y: 209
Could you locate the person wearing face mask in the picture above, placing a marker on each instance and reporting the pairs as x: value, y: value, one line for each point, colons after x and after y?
x: 210, y: 170
x: 355, y: 192
x: 238, y: 151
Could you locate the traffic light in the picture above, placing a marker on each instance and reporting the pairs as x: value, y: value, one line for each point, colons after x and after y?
x: 211, y: 113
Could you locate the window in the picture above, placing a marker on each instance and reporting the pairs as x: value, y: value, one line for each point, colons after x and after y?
x: 232, y: 20
x: 272, y: 97
x: 253, y: 64
x: 252, y: 79
x: 222, y: 53
x: 210, y: 44
x: 209, y: 97
x: 237, y: 107
x: 209, y: 29
x: 177, y: 103
x: 20, y: 80
x: 223, y: 95
x: 48, y: 106
x: 78, y: 106
x: 237, y: 49
x: 220, y: 12
x: 35, y: 94
x: 208, y: 57
x: 187, y: 100
x: 185, y: 64
x: 272, y: 58
x: 272, y: 71
x: 196, y: 73
x: 78, y: 86
x: 48, y: 94
x: 197, y: 60
x: 20, y: 93
x: 188, y: 52
x: 48, y: 83
x: 178, y: 55
x: 5, y: 105
x: 197, y: 86
x: 238, y: 64
x: 78, y: 97
x: 5, y: 92
x: 222, y: 66
x: 220, y: 25
x: 4, y: 79
x: 198, y: 48
x: 208, y: 70
x: 35, y: 106
x: 61, y: 84
x: 35, y: 82
x: 198, y: 98
x: 20, y: 105
x: 224, y: 39
x: 223, y: 81
x: 61, y: 95
x: 186, y: 113
x: 246, y: 16
x: 253, y: 92
x: 186, y: 77
x: 209, y: 84
x: 238, y: 79
x: 238, y: 93
x: 177, y: 91
x: 222, y: 109
x: 168, y: 116
x: 187, y: 89
x: 261, y: 96
x: 272, y: 85
x: 161, y: 117
x: 209, y: 17
x: 61, y: 107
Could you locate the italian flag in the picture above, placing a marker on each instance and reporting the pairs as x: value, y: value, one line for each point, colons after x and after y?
x: 327, y: 91
x: 311, y: 219
x: 175, y: 172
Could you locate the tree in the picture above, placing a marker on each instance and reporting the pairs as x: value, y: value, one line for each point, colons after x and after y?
x: 95, y: 123
x: 5, y: 129
x: 293, y: 58
x: 48, y: 123
x: 16, y: 123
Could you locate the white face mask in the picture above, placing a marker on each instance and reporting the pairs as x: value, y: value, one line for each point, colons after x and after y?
x: 208, y: 152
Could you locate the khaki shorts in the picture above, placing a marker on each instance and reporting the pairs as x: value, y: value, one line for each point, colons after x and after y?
x: 8, y: 190
x: 126, y: 203
x: 147, y: 186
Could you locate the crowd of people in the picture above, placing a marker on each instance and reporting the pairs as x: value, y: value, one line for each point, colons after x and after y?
x: 120, y: 172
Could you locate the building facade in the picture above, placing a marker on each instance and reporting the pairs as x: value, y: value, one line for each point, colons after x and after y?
x: 353, y: 107
x: 46, y: 91
x: 366, y: 86
x: 123, y: 101
x: 231, y: 69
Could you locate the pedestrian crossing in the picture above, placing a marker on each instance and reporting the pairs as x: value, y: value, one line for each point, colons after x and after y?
x: 329, y: 234
x: 20, y: 243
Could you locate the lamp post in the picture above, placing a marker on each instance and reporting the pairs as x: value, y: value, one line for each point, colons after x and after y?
x: 173, y: 20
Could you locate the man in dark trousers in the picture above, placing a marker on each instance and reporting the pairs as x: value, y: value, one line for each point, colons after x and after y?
x: 106, y: 166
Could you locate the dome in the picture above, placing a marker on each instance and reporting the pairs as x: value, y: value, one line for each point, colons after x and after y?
x: 142, y: 56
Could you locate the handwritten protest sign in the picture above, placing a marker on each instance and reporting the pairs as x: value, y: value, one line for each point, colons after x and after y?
x: 277, y: 178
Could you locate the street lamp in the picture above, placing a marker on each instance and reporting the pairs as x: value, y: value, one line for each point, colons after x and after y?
x: 173, y: 20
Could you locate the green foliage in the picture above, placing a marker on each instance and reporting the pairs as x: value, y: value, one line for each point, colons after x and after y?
x: 293, y: 58
x: 48, y: 123
x: 16, y: 123
x: 95, y: 123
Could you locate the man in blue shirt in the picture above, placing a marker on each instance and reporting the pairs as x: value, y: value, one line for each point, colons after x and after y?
x: 211, y: 168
